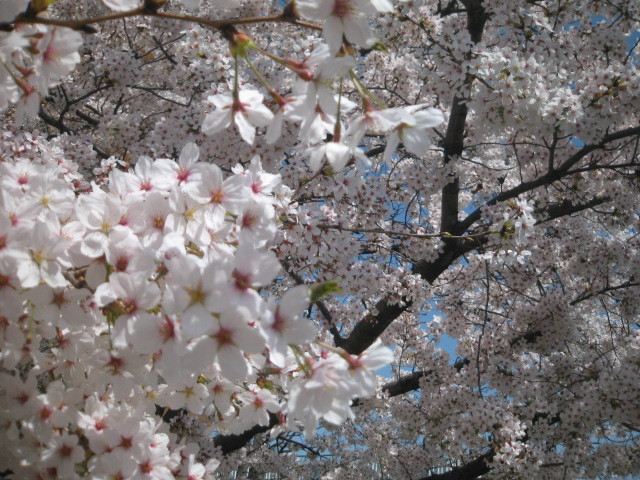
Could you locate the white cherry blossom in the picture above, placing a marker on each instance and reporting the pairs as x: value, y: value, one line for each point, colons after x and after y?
x: 246, y: 111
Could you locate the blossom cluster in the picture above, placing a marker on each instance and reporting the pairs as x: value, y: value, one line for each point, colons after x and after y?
x: 41, y: 56
x: 161, y: 300
x: 33, y: 59
x: 147, y: 295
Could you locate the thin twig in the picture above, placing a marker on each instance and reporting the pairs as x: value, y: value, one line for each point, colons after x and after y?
x: 381, y: 231
x: 80, y: 24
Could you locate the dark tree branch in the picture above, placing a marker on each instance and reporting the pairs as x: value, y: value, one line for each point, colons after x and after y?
x: 566, y: 207
x: 405, y: 384
x: 230, y: 443
x: 469, y: 471
x: 371, y: 326
x: 480, y: 466
x: 453, y: 142
x: 476, y: 19
x: 546, y: 179
x: 55, y: 123
x: 453, y: 145
x: 587, y: 296
x: 62, y: 128
x: 411, y: 381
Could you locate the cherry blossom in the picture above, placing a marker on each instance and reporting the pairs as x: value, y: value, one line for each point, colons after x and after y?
x: 411, y: 130
x: 246, y: 111
x: 342, y: 17
x: 419, y: 256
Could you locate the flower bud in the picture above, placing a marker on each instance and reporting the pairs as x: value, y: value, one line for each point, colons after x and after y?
x: 37, y: 6
x: 239, y: 42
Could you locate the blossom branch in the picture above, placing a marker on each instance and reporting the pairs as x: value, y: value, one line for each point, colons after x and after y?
x: 85, y: 23
x: 337, y: 339
x: 469, y: 471
x: 453, y: 142
x: 548, y: 178
x: 392, y: 233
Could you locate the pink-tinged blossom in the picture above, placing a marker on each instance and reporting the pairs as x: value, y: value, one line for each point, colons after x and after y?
x: 247, y: 111
x: 188, y: 393
x: 341, y: 17
x: 148, y: 218
x: 62, y: 452
x: 334, y: 381
x: 257, y: 405
x: 59, y: 55
x: 133, y: 293
x: 123, y: 370
x: 8, y: 240
x: 317, y: 75
x: 114, y: 464
x: 50, y: 197
x: 53, y: 304
x: 125, y: 254
x: 191, y: 292
x: 18, y: 213
x: 186, y: 173
x: 334, y: 154
x: 220, y: 247
x: 374, y: 121
x: 413, y: 129
x: 187, y: 218
x: 173, y: 245
x: 27, y: 103
x: 325, y: 394
x: 221, y: 391
x: 101, y: 215
x: 16, y: 176
x: 197, y: 471
x: 217, y: 193
x: 230, y: 338
x: 316, y: 123
x: 362, y: 368
x: 285, y: 109
x: 284, y: 324
x: 256, y: 224
x: 152, y: 333
x: 251, y: 270
x: 10, y: 297
x: 129, y: 296
x: 19, y: 397
x: 44, y: 258
x: 97, y: 427
x: 155, y: 463
x: 135, y: 183
x: 260, y: 183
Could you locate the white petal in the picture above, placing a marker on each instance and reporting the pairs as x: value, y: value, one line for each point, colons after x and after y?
x: 232, y: 363
x: 216, y: 121
x: 189, y: 154
x: 275, y: 128
x: 121, y: 5
x: 247, y: 131
x: 332, y: 33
